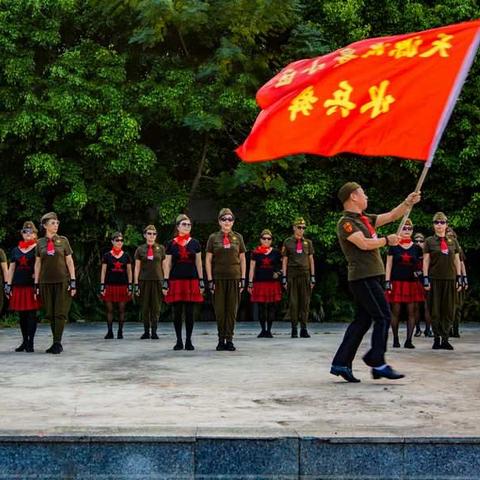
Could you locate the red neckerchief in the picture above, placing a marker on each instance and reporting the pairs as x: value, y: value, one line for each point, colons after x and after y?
x: 116, y: 251
x: 299, y: 245
x: 262, y: 249
x: 443, y: 245
x: 405, y: 241
x: 369, y: 226
x: 182, y: 240
x: 24, y: 244
x: 149, y: 252
x: 226, y: 241
x: 50, y: 246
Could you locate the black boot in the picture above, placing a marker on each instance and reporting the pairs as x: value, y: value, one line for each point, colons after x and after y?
x: 22, y: 347
x: 229, y: 346
x: 178, y: 345
x: 29, y: 347
x: 189, y: 345
x: 120, y: 333
x: 408, y: 344
x: 304, y: 333
x: 396, y: 342
x: 221, y: 345
x: 57, y: 348
x: 262, y: 334
x: 446, y: 345
x: 428, y: 332
x: 418, y: 331
x: 109, y: 334
x: 294, y: 332
x: 154, y: 335
x: 436, y: 343
x: 146, y: 335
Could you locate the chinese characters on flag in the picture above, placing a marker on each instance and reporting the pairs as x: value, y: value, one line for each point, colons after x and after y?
x: 382, y: 96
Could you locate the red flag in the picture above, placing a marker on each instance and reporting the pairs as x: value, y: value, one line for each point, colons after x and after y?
x: 381, y: 96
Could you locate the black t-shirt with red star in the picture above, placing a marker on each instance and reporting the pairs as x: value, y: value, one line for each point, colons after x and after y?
x: 24, y: 266
x: 267, y: 265
x: 183, y: 259
x: 116, y: 273
x: 405, y: 262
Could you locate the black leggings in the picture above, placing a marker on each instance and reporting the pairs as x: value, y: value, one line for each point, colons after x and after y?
x: 178, y: 308
x: 265, y: 314
x: 28, y: 324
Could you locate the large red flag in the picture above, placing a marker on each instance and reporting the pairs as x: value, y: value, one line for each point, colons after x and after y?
x: 381, y: 96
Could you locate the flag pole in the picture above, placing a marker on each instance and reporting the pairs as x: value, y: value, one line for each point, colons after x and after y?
x: 418, y: 188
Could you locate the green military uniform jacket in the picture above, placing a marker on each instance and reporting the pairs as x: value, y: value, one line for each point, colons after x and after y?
x: 226, y: 261
x: 442, y: 266
x: 298, y: 263
x: 53, y: 269
x: 150, y: 269
x: 361, y: 263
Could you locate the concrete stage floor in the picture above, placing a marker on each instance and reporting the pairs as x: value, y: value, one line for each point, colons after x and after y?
x: 278, y: 386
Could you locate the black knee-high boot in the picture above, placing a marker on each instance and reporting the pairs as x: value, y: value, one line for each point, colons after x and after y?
x: 177, y: 323
x: 189, y: 326
x: 259, y: 310
x: 23, y: 328
x: 271, y: 313
x: 31, y: 329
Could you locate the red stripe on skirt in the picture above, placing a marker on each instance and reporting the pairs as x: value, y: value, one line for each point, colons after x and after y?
x: 183, y: 290
x: 22, y: 299
x: 116, y: 294
x: 266, y: 292
x: 406, y: 292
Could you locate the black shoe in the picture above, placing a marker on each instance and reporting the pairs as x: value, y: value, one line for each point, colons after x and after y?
x: 268, y: 334
x: 408, y: 344
x: 344, y: 372
x: 56, y: 348
x: 178, y: 345
x: 109, y: 335
x: 189, y: 345
x: 418, y: 332
x: 229, y: 346
x: 154, y: 336
x: 50, y: 349
x: 120, y: 334
x: 436, y: 343
x: 396, y: 343
x: 387, y: 372
x: 428, y: 333
x: 304, y: 333
x: 221, y: 346
x: 22, y: 347
x: 446, y: 345
x: 294, y: 332
x: 145, y: 336
x: 262, y: 334
x: 29, y: 348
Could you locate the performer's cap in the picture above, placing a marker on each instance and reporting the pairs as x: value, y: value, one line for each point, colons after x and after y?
x: 225, y: 211
x: 30, y: 225
x: 439, y: 216
x: 149, y: 228
x: 299, y: 221
x: 48, y: 216
x: 266, y: 231
x: 116, y: 235
x: 345, y: 191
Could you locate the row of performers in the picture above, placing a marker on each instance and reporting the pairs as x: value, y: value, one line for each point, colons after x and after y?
x: 419, y: 274
x: 42, y: 273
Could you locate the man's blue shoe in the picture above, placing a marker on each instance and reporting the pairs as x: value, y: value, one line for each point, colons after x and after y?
x: 344, y: 372
x: 386, y: 372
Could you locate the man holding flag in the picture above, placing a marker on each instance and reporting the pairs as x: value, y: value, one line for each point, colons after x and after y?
x: 360, y: 244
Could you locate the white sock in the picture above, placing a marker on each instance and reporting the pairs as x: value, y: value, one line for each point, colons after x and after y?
x: 381, y: 367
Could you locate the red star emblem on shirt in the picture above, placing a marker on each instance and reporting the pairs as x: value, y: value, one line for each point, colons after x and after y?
x: 266, y: 262
x: 117, y: 266
x: 406, y: 258
x: 23, y: 261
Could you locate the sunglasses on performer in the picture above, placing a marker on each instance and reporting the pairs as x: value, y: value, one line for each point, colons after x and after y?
x: 300, y: 227
x: 266, y: 238
x: 439, y: 222
x: 27, y: 230
x: 185, y: 224
x: 152, y: 233
x: 227, y: 219
x: 118, y: 239
x: 407, y: 229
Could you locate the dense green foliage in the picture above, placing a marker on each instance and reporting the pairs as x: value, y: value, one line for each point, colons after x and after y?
x: 115, y: 113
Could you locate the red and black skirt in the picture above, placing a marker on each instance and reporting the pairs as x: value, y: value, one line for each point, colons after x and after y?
x: 266, y: 292
x: 22, y: 299
x: 116, y: 294
x: 406, y: 292
x: 183, y: 290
